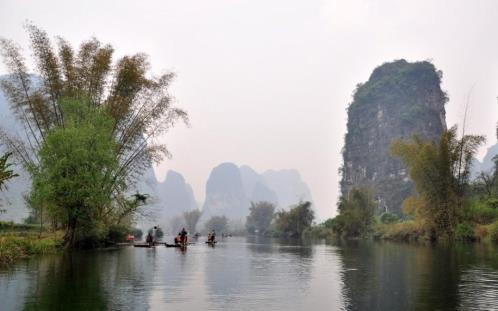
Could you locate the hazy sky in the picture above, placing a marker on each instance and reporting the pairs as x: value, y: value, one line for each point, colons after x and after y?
x: 267, y: 83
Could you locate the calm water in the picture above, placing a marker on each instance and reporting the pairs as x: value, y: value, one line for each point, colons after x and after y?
x: 259, y: 274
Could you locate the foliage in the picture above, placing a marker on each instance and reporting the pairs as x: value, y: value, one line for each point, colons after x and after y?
x: 441, y: 174
x: 493, y: 231
x: 11, y: 226
x: 14, y: 247
x: 320, y: 231
x: 118, y: 233
x: 356, y: 214
x: 388, y: 218
x: 217, y: 223
x: 140, y: 107
x: 464, y: 232
x: 84, y: 111
x: 485, y: 185
x: 399, y: 231
x: 5, y: 172
x: 191, y: 219
x: 260, y: 217
x: 481, y: 211
x: 71, y: 179
x: 294, y: 222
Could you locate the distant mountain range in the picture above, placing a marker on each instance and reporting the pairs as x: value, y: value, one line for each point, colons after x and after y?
x: 487, y: 164
x: 229, y: 188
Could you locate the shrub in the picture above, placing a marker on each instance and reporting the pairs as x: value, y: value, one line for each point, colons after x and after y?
x: 388, y: 218
x: 13, y: 248
x: 464, y: 232
x: 118, y: 233
x: 481, y: 213
x: 493, y: 231
x: 403, y: 231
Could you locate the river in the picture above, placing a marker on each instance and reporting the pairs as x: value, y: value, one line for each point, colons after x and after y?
x: 259, y: 274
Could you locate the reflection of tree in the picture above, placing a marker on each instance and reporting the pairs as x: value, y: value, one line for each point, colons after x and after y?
x: 392, y: 276
x: 69, y: 282
x: 379, y: 276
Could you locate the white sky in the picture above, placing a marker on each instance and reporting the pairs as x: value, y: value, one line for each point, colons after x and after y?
x: 267, y: 83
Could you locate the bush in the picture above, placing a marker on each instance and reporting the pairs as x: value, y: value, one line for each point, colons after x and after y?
x: 481, y: 212
x: 118, y: 233
x: 493, y: 231
x: 388, y: 218
x: 13, y: 248
x: 401, y: 231
x: 318, y: 232
x: 464, y: 232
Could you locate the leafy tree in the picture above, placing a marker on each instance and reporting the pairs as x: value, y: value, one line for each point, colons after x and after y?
x: 72, y: 176
x: 217, y: 223
x: 191, y: 219
x: 139, y: 107
x: 441, y: 173
x: 356, y: 214
x: 294, y: 222
x: 5, y: 172
x: 260, y: 217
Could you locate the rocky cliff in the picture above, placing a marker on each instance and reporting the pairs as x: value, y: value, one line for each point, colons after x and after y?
x: 256, y: 187
x: 399, y: 100
x: 225, y: 193
x: 176, y: 195
x: 288, y: 186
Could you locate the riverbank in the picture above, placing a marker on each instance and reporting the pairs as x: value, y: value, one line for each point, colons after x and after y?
x: 19, y: 241
x: 408, y: 230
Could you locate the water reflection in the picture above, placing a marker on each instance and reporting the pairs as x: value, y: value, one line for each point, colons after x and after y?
x: 255, y: 273
x: 397, y: 276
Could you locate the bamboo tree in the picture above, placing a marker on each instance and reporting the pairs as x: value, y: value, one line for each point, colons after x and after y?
x: 441, y: 173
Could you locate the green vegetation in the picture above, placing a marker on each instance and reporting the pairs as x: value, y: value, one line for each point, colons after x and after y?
x: 355, y: 214
x: 296, y: 221
x: 13, y: 248
x: 446, y: 205
x: 5, y: 172
x: 260, y: 217
x: 441, y: 173
x: 91, y: 125
x: 19, y: 241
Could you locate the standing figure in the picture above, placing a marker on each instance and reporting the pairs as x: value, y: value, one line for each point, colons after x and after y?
x: 183, y: 236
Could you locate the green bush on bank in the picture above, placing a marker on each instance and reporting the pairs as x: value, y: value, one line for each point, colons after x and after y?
x: 493, y: 231
x: 465, y: 232
x: 13, y: 247
x: 481, y: 212
x: 11, y: 226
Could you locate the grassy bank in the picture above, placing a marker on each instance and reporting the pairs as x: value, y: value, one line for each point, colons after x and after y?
x: 18, y: 241
x: 13, y: 248
x: 410, y: 230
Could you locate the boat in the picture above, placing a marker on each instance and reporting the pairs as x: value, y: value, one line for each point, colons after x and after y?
x: 143, y: 245
x: 174, y: 245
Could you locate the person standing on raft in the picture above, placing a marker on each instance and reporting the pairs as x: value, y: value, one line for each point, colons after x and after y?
x: 183, y: 236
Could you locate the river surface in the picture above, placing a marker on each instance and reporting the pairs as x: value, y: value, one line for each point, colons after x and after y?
x: 259, y: 274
